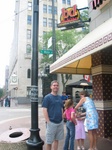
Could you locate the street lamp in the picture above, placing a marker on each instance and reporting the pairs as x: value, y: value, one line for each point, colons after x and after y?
x: 54, y: 76
x: 34, y: 142
x: 53, y: 32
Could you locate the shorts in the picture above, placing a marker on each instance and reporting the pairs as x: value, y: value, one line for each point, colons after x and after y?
x: 54, y: 132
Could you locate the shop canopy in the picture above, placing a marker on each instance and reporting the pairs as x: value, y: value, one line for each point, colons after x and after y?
x: 78, y: 59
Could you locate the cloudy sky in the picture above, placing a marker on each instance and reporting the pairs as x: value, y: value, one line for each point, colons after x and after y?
x: 82, y: 3
x: 6, y: 32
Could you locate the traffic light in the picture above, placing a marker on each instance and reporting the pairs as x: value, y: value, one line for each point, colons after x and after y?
x: 47, y: 69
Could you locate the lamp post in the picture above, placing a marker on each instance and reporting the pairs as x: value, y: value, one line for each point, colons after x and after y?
x: 53, y: 32
x: 53, y: 37
x: 34, y: 142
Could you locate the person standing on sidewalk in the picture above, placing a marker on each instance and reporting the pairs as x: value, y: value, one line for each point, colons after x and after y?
x: 69, y: 114
x: 80, y: 130
x: 53, y: 113
x: 91, y: 118
x: 64, y: 97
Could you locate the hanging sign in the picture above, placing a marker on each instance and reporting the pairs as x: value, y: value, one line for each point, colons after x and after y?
x: 69, y: 16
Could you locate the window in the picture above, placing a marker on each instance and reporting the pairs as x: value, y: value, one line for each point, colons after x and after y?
x: 44, y: 32
x: 50, y: 9
x: 44, y: 8
x: 28, y: 73
x: 44, y: 22
x: 64, y: 1
x: 55, y: 10
x: 69, y: 2
x: 29, y: 6
x: 54, y: 0
x: 28, y: 91
x: 28, y: 48
x: 28, y: 19
x: 56, y: 23
x: 28, y: 34
x: 50, y: 22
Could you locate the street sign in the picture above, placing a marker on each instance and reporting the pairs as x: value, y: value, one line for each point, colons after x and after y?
x: 49, y: 42
x: 44, y: 51
x: 51, y: 55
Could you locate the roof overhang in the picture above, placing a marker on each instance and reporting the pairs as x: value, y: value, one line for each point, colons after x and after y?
x: 78, y: 59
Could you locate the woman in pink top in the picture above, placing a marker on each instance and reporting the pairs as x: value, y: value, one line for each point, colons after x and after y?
x: 69, y: 114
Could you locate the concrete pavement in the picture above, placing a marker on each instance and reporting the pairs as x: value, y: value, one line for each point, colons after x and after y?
x: 19, y: 117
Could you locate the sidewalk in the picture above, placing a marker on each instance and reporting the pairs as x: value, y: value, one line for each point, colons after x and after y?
x: 25, y: 122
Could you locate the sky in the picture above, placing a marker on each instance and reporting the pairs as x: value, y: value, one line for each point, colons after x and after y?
x: 6, y: 34
x: 82, y: 3
x: 7, y: 8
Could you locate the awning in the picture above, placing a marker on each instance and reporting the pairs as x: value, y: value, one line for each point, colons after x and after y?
x: 78, y: 59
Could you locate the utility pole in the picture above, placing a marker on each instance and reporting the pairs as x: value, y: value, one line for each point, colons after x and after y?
x: 53, y: 32
x: 34, y: 142
x: 53, y: 37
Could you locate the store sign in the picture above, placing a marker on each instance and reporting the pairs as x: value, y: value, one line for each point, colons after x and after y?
x: 99, y: 3
x: 69, y: 16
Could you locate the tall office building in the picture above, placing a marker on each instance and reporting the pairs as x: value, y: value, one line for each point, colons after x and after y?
x: 20, y: 54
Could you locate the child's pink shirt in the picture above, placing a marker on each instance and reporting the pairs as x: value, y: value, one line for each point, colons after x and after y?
x: 68, y: 112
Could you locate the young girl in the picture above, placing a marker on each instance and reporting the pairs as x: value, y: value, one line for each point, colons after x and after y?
x: 69, y: 114
x: 80, y: 131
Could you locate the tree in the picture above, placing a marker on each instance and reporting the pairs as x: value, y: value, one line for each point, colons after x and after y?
x: 65, y: 40
x: 1, y: 92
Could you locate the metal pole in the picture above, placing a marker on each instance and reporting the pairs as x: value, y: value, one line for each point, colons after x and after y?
x: 54, y: 76
x: 53, y: 32
x: 34, y: 142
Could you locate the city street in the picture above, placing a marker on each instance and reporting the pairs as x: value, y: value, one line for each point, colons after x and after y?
x: 19, y: 117
x: 7, y: 113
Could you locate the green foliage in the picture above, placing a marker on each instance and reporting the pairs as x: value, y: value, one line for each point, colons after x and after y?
x: 84, y: 16
x: 65, y: 40
x: 1, y: 92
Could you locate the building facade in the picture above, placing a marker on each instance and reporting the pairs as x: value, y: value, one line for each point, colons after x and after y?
x: 20, y: 54
x: 101, y: 13
x: 93, y: 55
x: 6, y: 79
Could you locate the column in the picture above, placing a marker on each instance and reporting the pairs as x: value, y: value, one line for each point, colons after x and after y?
x: 102, y: 90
